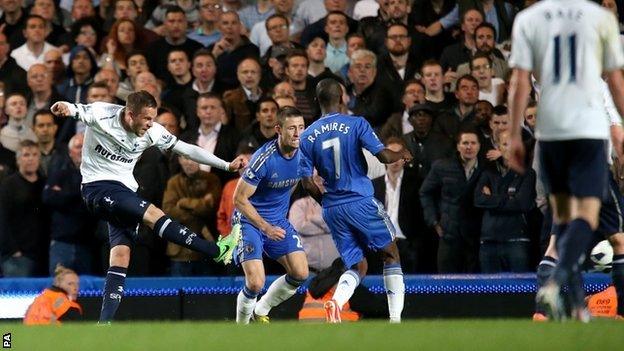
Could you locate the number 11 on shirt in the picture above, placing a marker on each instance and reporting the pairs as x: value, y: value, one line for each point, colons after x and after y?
x: 572, y: 48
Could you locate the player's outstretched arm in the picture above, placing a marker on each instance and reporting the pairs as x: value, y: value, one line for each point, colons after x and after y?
x: 242, y: 194
x: 519, y: 90
x: 388, y: 156
x: 202, y: 156
x: 310, y: 186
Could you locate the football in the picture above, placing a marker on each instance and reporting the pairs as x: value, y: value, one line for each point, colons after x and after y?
x: 601, y: 256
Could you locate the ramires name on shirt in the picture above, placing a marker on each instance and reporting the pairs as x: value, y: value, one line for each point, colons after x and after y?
x: 283, y: 183
x: 329, y: 127
x: 109, y: 155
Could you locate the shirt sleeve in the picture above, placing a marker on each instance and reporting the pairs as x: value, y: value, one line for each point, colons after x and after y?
x: 306, y: 169
x: 254, y: 175
x: 451, y: 18
x: 161, y: 138
x: 81, y: 112
x: 613, y: 56
x: 521, y: 55
x: 370, y: 141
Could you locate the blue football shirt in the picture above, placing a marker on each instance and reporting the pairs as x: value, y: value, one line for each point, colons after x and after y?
x: 274, y: 177
x: 333, y: 145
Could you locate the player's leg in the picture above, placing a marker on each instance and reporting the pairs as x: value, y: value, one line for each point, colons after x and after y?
x: 617, y: 270
x: 254, y: 282
x: 393, y: 281
x: 587, y: 184
x: 338, y: 221
x: 289, y: 253
x: 174, y: 231
x: 119, y: 205
x: 375, y: 230
x: 120, y: 242
x: 572, y: 246
x: 575, y: 174
x: 284, y: 287
x: 544, y: 271
x: 548, y: 297
x: 249, y: 256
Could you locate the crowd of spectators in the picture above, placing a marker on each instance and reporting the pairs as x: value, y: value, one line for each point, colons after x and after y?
x: 429, y: 75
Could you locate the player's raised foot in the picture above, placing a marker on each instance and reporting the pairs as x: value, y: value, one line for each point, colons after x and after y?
x: 228, y: 244
x: 549, y: 297
x: 261, y: 319
x: 332, y: 312
x: 539, y: 317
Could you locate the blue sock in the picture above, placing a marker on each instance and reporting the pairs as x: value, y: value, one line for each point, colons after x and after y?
x: 250, y: 294
x: 617, y: 273
x: 544, y: 271
x: 175, y: 232
x: 571, y: 244
x: 113, y: 292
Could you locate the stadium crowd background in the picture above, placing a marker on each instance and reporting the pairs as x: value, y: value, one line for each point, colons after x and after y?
x: 422, y: 73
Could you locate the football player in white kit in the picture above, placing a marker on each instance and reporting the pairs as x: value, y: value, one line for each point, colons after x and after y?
x: 567, y: 45
x: 115, y: 138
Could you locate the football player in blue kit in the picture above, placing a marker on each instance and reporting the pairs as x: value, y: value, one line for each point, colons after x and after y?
x: 333, y: 145
x: 262, y: 198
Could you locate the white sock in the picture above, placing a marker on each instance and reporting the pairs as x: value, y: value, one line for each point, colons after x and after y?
x: 245, y: 306
x: 347, y: 283
x: 395, y: 291
x: 279, y: 291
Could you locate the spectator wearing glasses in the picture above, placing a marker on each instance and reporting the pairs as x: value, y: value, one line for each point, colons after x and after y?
x: 485, y: 41
x: 260, y: 35
x: 277, y: 28
x: 207, y: 33
x: 399, y: 63
x: 372, y: 28
x: 398, y: 124
x: 491, y: 88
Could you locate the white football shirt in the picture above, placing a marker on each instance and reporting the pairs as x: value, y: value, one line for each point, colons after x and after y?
x: 109, y: 152
x: 568, y: 44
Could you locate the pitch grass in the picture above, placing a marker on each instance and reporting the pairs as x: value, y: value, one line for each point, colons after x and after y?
x: 439, y: 335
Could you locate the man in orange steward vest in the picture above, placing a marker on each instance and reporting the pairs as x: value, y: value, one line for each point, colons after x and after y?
x: 57, y: 303
x: 363, y: 303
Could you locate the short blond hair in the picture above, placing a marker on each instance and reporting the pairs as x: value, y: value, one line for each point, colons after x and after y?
x: 61, y: 271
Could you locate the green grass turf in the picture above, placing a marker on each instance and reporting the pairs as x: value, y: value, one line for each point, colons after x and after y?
x: 436, y: 335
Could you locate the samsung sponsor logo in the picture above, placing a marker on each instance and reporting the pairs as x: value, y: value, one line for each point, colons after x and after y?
x: 283, y: 183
